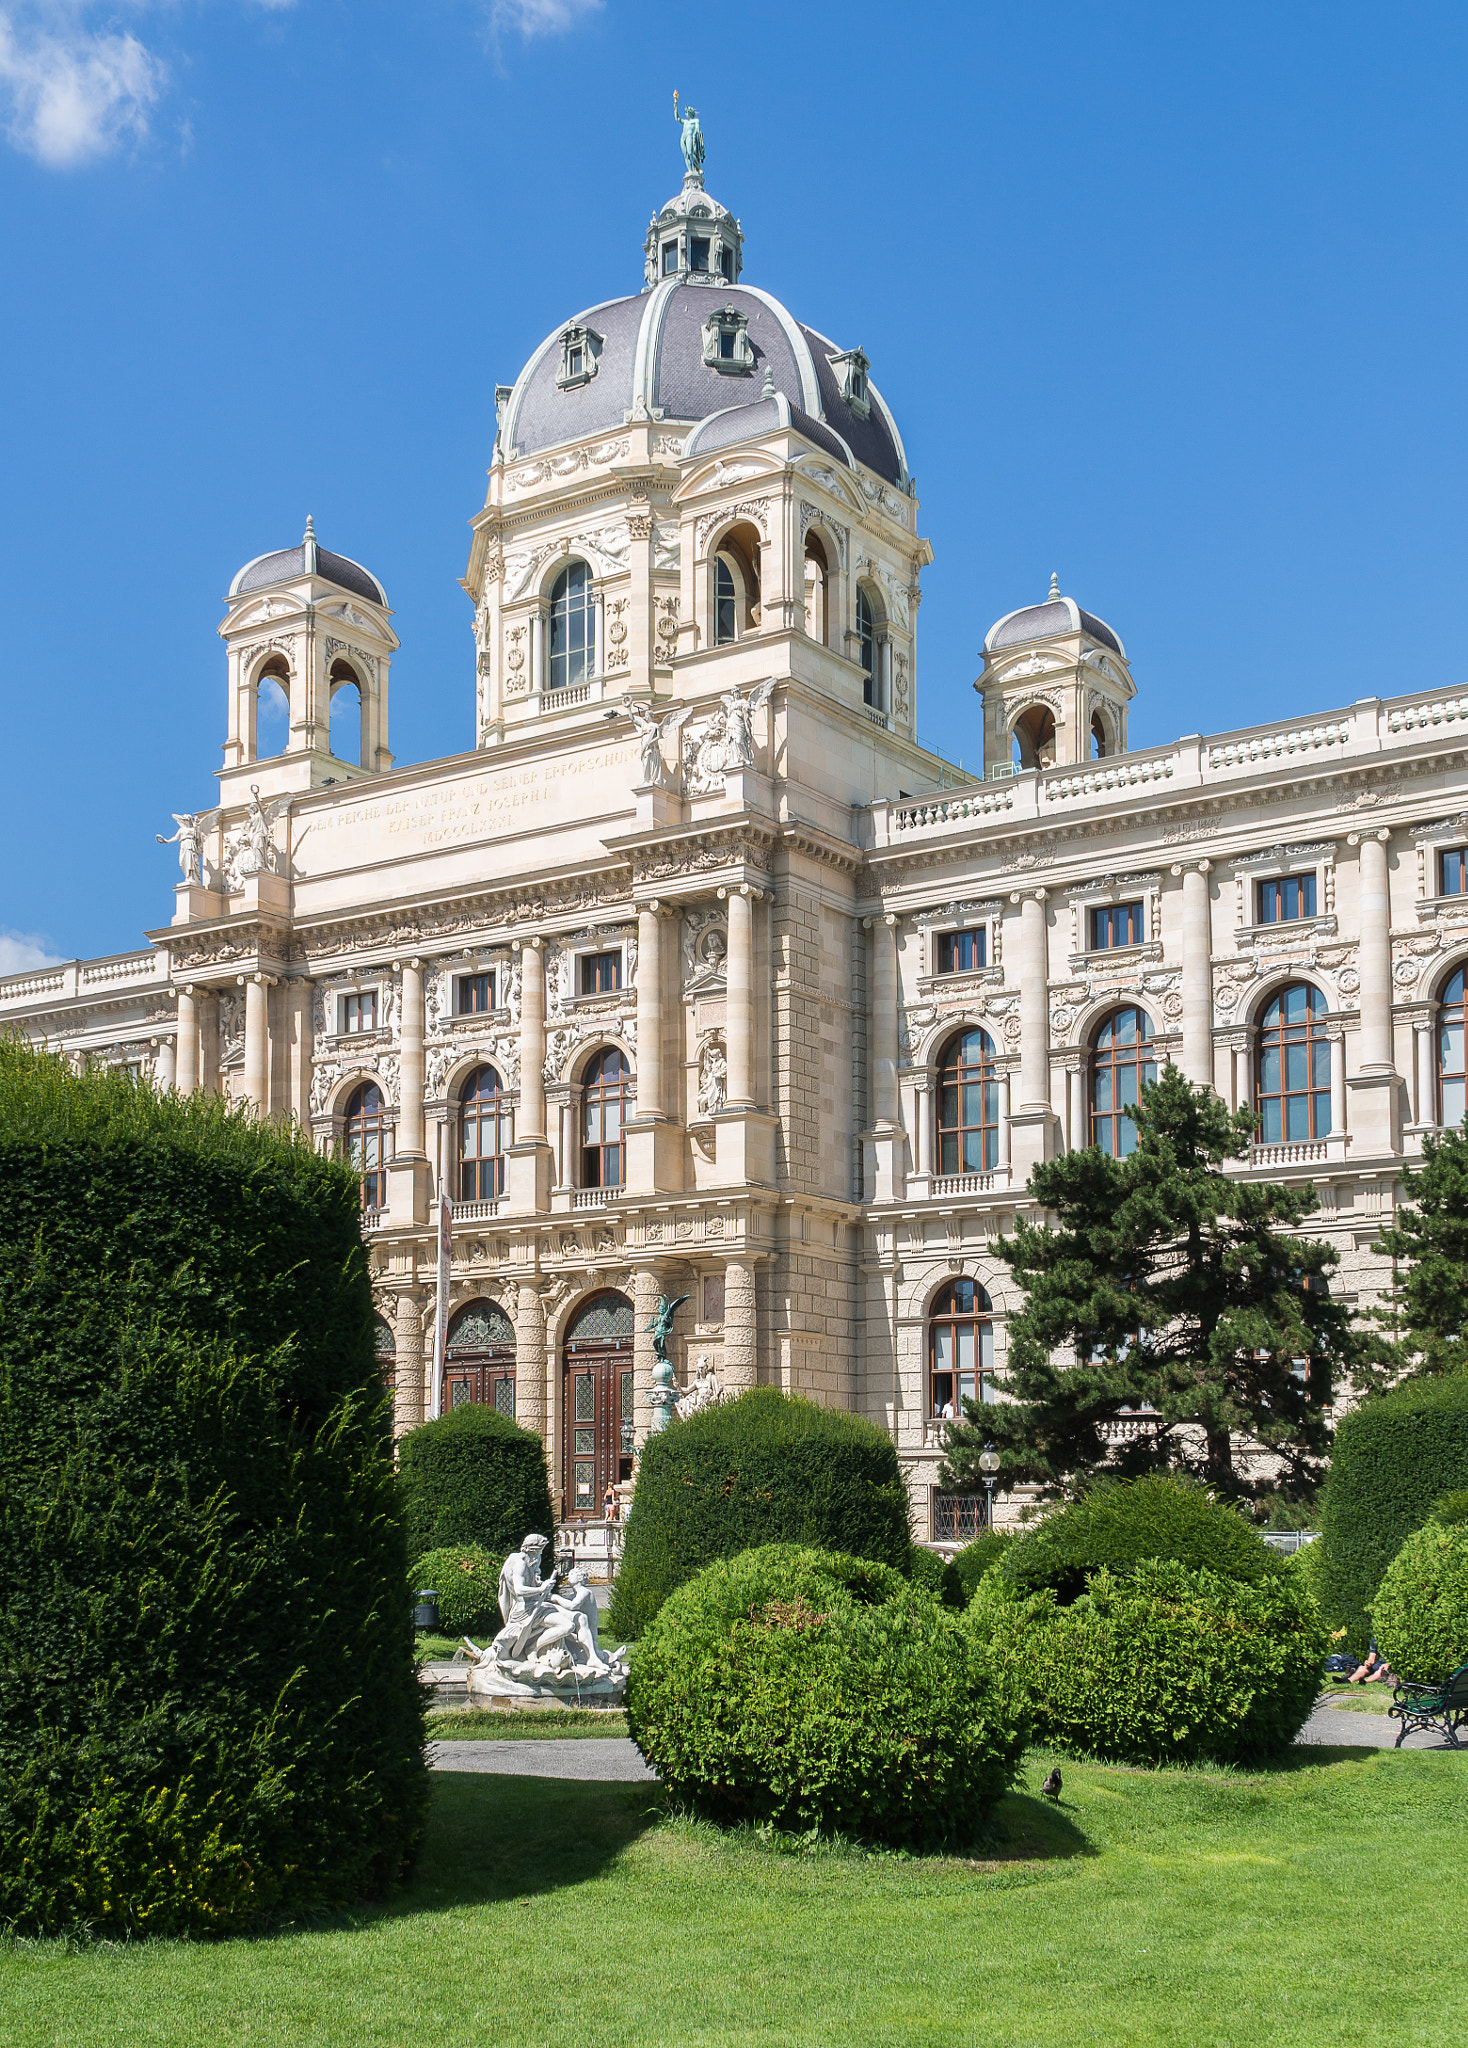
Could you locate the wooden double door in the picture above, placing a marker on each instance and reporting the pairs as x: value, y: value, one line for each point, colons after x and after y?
x: 596, y: 1399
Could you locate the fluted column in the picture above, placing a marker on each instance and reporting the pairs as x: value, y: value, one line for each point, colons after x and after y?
x: 739, y: 1000
x: 649, y: 1011
x: 1376, y: 954
x: 186, y: 1063
x: 410, y: 1392
x: 530, y: 1359
x: 1197, y: 988
x: 884, y: 1021
x: 646, y: 1287
x: 410, y: 1105
x: 531, y: 1121
x: 257, y: 1041
x: 1034, y: 1020
x: 741, y: 1334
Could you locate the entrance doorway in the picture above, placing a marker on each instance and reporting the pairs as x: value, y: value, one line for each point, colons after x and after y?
x: 596, y: 1400
x: 479, y: 1359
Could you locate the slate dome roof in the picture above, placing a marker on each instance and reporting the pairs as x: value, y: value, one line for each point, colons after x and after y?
x: 309, y: 559
x: 651, y: 355
x: 1044, y: 621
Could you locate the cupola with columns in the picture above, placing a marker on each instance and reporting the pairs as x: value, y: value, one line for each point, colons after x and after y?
x: 1055, y: 687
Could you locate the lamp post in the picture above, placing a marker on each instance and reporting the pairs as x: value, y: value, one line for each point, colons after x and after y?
x: 989, y: 1466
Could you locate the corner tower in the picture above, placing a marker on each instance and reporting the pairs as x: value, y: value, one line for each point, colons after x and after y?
x: 1055, y: 687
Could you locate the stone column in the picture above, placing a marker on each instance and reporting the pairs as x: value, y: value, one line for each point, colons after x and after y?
x: 1004, y: 1111
x: 1075, y: 1104
x: 1034, y: 1019
x: 741, y: 1334
x: 1197, y: 989
x: 410, y: 1104
x: 1423, y: 1031
x: 531, y: 1120
x: 302, y: 1047
x: 649, y: 1011
x: 1337, y: 1082
x: 186, y: 1065
x: 1243, y: 1055
x: 646, y: 1287
x: 884, y: 1021
x: 257, y: 1041
x: 410, y: 1403
x: 739, y: 1000
x: 923, y: 1111
x: 208, y: 1008
x: 530, y: 1360
x: 1376, y: 954
x: 165, y: 1071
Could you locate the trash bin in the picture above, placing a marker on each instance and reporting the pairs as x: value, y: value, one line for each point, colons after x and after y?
x: 425, y: 1609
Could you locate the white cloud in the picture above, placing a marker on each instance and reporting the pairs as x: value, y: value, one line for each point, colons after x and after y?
x: 20, y: 951
x: 540, y: 17
x: 71, y: 93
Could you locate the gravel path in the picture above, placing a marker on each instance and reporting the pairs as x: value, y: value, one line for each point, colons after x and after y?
x: 597, y: 1757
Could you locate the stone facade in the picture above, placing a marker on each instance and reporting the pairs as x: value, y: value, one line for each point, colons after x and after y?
x: 725, y: 805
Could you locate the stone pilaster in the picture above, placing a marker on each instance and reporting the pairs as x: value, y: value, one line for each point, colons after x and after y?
x: 1197, y: 988
x: 257, y: 989
x: 411, y: 1403
x: 186, y: 1064
x: 646, y: 1287
x: 530, y: 1402
x: 409, y: 1175
x: 741, y: 1330
x: 530, y: 1155
x: 1032, y: 1124
x: 1375, y: 1089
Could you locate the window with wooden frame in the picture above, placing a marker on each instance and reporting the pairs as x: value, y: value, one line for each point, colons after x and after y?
x: 484, y: 1137
x: 476, y: 994
x: 601, y: 973
x: 359, y: 1011
x: 606, y: 1101
x: 364, y: 1143
x: 962, y: 951
x: 1286, y: 899
x: 1293, y: 1072
x: 968, y: 1105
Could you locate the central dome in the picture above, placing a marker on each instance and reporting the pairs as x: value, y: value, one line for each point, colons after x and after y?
x: 656, y: 355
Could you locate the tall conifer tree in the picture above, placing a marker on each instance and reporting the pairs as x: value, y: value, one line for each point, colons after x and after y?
x: 1165, y: 1284
x: 1421, y: 1322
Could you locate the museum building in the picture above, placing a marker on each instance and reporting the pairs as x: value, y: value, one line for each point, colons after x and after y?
x: 698, y: 975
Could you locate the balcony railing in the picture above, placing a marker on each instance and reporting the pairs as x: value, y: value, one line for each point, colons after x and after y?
x: 595, y: 1198
x: 475, y: 1212
x: 963, y: 1183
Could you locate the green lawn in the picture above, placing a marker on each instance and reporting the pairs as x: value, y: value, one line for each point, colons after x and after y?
x: 1196, y: 1908
x: 1359, y: 1699
x: 523, y: 1724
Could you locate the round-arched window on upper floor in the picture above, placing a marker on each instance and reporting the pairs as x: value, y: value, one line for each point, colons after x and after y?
x: 1292, y: 1091
x: 960, y: 1350
x: 606, y: 1103
x: 726, y: 604
x: 572, y: 627
x: 1122, y: 1064
x: 866, y: 638
x: 484, y: 1136
x: 364, y: 1141
x: 1452, y: 1077
x: 968, y: 1105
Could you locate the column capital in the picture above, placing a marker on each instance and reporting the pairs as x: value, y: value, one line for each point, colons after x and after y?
x: 1382, y: 835
x: 1036, y: 894
x: 399, y: 965
x: 888, y: 918
x: 531, y: 945
x: 1201, y: 866
x: 260, y: 980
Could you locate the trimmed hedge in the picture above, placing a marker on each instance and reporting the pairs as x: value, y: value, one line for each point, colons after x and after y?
x: 209, y: 1711
x: 980, y: 1556
x: 1393, y: 1457
x: 766, y: 1468
x: 805, y: 1690
x: 1120, y: 1522
x: 466, y: 1580
x: 1420, y: 1613
x: 473, y: 1476
x: 936, y: 1574
x: 1163, y: 1665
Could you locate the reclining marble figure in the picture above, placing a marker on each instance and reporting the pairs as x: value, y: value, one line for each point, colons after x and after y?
x: 548, y: 1647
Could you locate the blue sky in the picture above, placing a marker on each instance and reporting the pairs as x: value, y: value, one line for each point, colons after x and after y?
x: 1170, y: 300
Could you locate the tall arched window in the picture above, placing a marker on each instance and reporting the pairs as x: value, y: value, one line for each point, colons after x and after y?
x: 272, y: 710
x: 606, y: 1098
x: 968, y: 1106
x: 1034, y: 738
x: 572, y: 627
x: 1121, y: 1064
x: 1293, y: 1097
x: 484, y: 1133
x: 1452, y: 1081
x: 345, y: 727
x: 726, y: 604
x: 960, y: 1350
x: 817, y: 577
x: 866, y: 636
x: 364, y: 1140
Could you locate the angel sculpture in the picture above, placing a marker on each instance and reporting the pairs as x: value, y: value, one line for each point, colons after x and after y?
x: 250, y: 849
x: 189, y: 839
x: 738, y: 728
x: 651, y: 732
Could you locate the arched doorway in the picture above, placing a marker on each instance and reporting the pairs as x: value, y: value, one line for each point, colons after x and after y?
x: 479, y: 1358
x: 596, y: 1399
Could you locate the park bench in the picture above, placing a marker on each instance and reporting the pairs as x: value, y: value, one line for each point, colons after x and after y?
x: 1442, y: 1706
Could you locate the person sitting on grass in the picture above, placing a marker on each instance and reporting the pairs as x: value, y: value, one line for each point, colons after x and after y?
x: 1373, y: 1670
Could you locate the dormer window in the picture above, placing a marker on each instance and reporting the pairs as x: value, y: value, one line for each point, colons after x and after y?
x: 699, y: 254
x: 726, y: 343
x: 580, y: 348
x: 726, y: 262
x: 851, y: 373
x: 670, y: 259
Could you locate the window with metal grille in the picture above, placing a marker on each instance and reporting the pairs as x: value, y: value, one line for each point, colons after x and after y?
x: 961, y: 952
x: 1287, y: 899
x: 359, y: 1012
x: 960, y: 1350
x: 1115, y: 924
x: 957, y: 1517
x: 1122, y: 1064
x: 476, y: 994
x: 1293, y: 1084
x: 484, y: 1135
x: 968, y: 1106
x: 601, y: 973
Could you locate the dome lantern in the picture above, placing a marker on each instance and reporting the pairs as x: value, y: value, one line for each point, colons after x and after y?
x: 1056, y: 687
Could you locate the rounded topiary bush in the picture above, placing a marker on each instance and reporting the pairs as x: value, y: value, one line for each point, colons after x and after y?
x: 767, y: 1468
x: 473, y: 1476
x: 466, y: 1580
x: 1420, y: 1613
x: 936, y: 1574
x: 980, y: 1556
x: 209, y: 1712
x: 1162, y: 1665
x: 805, y: 1689
x: 1391, y: 1459
x: 1119, y: 1522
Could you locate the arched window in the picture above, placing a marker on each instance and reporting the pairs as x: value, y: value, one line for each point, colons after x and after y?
x: 346, y: 714
x: 484, y: 1133
x: 817, y: 573
x: 1034, y: 738
x: 572, y: 627
x: 866, y: 636
x: 598, y: 1408
x: 479, y: 1358
x: 968, y: 1106
x: 1098, y: 737
x: 606, y: 1098
x: 272, y: 711
x: 1293, y: 1097
x: 1121, y: 1065
x: 364, y: 1140
x: 726, y: 604
x: 960, y: 1350
x: 1452, y: 1082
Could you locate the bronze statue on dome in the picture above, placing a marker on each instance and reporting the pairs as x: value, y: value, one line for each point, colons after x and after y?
x: 692, y: 138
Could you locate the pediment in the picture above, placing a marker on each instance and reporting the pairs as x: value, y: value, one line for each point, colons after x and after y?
x: 831, y: 479
x: 725, y: 472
